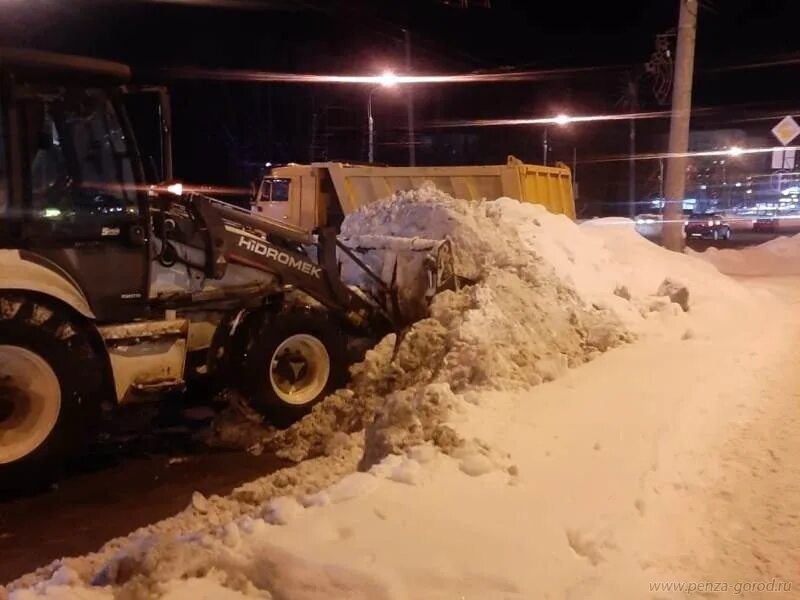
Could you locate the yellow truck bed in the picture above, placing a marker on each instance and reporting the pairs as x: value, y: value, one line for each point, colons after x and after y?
x: 314, y: 189
x: 549, y: 186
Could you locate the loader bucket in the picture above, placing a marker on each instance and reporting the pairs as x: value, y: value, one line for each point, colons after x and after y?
x: 410, y: 270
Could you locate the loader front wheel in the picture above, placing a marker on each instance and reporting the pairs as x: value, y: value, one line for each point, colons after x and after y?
x: 295, y: 360
x: 47, y: 403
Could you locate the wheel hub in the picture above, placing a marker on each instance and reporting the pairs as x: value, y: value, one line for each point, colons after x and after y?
x: 299, y: 369
x: 6, y: 403
x: 30, y: 402
x: 291, y: 366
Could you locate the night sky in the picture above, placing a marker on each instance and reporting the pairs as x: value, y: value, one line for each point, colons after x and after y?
x: 223, y: 131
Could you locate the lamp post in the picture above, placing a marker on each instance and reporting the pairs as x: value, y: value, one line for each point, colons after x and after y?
x: 387, y: 80
x: 561, y: 120
x: 544, y: 147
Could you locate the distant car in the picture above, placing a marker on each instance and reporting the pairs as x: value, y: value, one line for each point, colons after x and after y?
x: 648, y: 225
x: 648, y: 219
x: 766, y: 224
x: 707, y: 226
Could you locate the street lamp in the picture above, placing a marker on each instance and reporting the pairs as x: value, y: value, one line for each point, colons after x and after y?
x: 561, y: 120
x: 387, y: 80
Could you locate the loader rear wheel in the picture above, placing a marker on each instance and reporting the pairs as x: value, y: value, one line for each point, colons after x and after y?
x: 47, y: 404
x: 296, y: 360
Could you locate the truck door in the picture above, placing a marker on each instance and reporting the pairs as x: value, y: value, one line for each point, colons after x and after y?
x: 273, y: 199
x: 84, y: 206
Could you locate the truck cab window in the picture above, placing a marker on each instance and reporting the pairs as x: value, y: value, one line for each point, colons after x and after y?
x: 79, y: 165
x: 280, y: 190
x: 274, y: 190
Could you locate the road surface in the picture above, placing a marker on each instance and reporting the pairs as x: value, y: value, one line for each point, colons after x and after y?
x: 115, y: 490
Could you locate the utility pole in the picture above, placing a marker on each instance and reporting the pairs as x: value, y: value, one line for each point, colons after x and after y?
x: 412, y: 149
x: 633, y: 105
x: 575, y: 193
x: 370, y: 129
x: 675, y: 187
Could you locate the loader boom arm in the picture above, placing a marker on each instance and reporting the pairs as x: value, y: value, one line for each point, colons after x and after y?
x: 231, y: 235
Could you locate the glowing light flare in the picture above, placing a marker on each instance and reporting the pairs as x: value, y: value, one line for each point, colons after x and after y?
x: 388, y: 79
x: 562, y: 119
x: 175, y: 188
x: 705, y: 153
x: 735, y: 151
x: 382, y: 79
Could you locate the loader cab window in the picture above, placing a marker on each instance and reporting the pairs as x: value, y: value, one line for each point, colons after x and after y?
x: 79, y: 167
x: 274, y: 190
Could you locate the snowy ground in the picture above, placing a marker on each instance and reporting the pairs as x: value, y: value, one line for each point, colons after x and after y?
x: 780, y: 256
x: 559, y: 430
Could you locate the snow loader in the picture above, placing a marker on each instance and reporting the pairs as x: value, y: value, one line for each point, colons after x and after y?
x: 116, y: 288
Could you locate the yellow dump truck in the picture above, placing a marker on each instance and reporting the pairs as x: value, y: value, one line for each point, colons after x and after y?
x: 305, y: 197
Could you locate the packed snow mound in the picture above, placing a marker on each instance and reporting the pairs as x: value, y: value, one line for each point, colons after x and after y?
x: 780, y: 256
x: 548, y: 295
x: 643, y: 266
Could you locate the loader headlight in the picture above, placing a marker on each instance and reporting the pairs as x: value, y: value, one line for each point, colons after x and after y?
x: 175, y: 188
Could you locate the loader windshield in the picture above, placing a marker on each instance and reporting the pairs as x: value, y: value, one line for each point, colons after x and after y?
x: 78, y: 160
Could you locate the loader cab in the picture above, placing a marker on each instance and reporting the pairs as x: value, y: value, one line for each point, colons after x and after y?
x: 73, y: 192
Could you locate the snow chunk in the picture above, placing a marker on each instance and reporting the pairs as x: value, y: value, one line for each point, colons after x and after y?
x: 199, y: 502
x: 283, y: 510
x: 408, y: 472
x: 676, y: 292
x: 476, y: 464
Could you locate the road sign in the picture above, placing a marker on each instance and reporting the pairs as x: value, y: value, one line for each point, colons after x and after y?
x: 786, y: 130
x: 783, y: 158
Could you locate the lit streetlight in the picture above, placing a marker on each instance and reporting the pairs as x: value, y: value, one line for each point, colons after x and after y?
x: 388, y: 79
x: 561, y: 120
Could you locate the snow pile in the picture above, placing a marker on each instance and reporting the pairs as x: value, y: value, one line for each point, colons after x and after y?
x: 549, y: 295
x: 533, y: 312
x: 450, y: 443
x: 780, y: 256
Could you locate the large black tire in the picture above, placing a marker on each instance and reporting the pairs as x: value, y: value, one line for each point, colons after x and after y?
x: 301, y: 348
x: 58, y: 397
